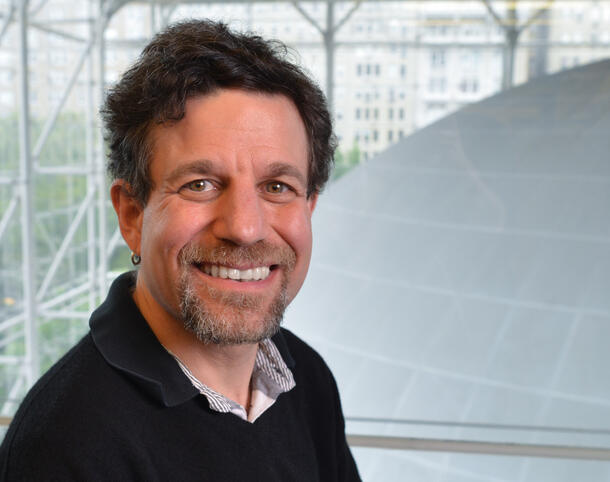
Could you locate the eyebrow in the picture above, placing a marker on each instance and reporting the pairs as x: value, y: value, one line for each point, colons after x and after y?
x: 276, y: 169
x: 204, y: 167
x: 201, y: 166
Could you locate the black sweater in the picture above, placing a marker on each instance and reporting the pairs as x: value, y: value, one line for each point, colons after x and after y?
x: 117, y: 407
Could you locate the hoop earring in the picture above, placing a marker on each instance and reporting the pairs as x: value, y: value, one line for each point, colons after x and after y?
x: 135, y: 258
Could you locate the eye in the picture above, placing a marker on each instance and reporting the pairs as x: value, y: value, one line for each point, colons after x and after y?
x: 199, y: 185
x: 276, y: 187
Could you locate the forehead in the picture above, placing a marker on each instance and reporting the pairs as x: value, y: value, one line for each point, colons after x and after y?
x: 230, y: 128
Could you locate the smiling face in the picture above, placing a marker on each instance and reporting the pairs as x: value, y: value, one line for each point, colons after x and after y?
x: 225, y: 237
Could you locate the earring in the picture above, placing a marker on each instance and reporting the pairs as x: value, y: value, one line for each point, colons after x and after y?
x: 135, y: 258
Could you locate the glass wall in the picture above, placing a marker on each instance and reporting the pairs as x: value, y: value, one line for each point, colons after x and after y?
x: 459, y: 282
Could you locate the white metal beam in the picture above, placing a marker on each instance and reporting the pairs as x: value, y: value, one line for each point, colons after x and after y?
x: 27, y: 204
x: 105, y: 12
x: 11, y: 399
x: 8, y: 214
x: 46, y: 131
x: 6, y: 21
x: 64, y: 245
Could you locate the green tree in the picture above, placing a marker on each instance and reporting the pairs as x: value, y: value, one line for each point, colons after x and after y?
x: 346, y: 162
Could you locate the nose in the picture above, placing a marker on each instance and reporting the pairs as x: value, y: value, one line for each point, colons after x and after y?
x: 241, y: 217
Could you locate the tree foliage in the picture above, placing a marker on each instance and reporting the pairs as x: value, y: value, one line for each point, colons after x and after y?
x: 345, y: 162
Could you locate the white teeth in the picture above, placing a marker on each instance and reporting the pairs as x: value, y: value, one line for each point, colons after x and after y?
x: 258, y: 273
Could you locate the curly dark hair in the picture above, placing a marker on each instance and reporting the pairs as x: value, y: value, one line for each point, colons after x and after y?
x: 195, y: 58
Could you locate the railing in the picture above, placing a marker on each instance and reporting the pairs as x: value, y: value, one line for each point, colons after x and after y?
x: 474, y: 447
x: 473, y: 444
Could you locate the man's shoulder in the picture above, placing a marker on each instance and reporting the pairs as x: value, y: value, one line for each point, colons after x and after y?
x: 64, y: 374
x: 70, y: 377
x: 63, y: 409
x: 80, y: 375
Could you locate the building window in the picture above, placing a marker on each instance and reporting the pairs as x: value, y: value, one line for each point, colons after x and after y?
x: 470, y: 85
x: 390, y: 136
x: 390, y: 113
x: 437, y: 84
x: 437, y: 58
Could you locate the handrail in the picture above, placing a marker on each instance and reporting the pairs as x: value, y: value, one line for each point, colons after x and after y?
x: 477, y: 447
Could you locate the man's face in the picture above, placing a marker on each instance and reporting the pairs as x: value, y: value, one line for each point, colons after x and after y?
x: 226, y: 233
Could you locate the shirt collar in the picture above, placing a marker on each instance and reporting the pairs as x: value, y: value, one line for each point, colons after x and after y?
x: 123, y: 337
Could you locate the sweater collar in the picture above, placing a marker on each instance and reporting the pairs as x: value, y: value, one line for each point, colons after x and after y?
x: 126, y: 342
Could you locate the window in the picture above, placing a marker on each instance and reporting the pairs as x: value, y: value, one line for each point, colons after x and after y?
x: 469, y: 85
x: 437, y: 84
x: 437, y: 58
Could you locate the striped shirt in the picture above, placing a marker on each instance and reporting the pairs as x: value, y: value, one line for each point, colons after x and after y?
x: 270, y: 378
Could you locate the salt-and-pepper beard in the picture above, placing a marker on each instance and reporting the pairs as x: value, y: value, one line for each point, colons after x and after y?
x: 228, y: 327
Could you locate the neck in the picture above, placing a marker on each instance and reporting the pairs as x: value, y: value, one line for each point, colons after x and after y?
x: 227, y: 369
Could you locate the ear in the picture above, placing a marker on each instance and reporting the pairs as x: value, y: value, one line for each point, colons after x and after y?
x: 312, y: 201
x: 129, y: 212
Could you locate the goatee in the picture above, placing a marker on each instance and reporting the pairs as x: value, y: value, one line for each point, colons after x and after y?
x: 241, y: 317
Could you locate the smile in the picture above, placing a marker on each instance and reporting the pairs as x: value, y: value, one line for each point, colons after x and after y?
x: 251, y: 274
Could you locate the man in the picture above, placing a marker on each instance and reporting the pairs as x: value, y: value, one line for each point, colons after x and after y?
x: 218, y: 150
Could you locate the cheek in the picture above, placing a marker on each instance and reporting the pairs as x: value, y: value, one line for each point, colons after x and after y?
x: 297, y: 233
x: 165, y: 231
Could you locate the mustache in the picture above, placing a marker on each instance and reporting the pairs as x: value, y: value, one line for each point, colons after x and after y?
x: 261, y: 253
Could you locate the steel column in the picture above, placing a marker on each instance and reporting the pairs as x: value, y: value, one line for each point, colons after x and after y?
x: 28, y: 251
x: 90, y: 161
x: 100, y: 177
x: 329, y: 46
